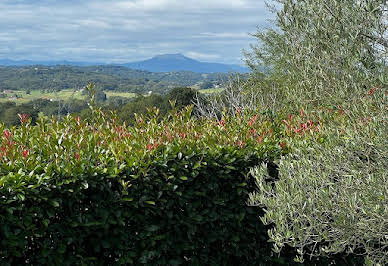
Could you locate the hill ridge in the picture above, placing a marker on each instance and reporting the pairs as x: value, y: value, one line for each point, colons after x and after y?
x: 159, y: 63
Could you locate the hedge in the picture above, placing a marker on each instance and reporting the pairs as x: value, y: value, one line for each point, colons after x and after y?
x: 173, y: 192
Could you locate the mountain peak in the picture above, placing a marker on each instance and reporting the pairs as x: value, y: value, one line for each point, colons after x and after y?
x: 179, y: 62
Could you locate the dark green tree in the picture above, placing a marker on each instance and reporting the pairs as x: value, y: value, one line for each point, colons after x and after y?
x: 182, y: 96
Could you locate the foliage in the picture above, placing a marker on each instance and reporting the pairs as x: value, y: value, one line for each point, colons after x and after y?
x: 206, y: 85
x: 9, y: 110
x: 106, y: 78
x: 180, y: 97
x: 174, y: 192
x: 322, y: 51
x: 125, y: 107
x: 329, y: 60
x: 332, y: 196
x: 168, y: 192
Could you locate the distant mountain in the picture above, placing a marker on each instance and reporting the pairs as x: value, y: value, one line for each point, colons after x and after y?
x: 159, y: 63
x: 179, y: 62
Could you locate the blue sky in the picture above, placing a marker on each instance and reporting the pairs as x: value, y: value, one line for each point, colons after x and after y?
x: 118, y: 31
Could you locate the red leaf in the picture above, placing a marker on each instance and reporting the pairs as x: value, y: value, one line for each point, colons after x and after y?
x: 25, y: 154
x: 7, y: 134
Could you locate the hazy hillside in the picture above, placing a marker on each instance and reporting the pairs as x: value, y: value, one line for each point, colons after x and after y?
x: 179, y: 62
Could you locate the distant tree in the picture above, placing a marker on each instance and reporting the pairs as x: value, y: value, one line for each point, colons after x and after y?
x: 5, y: 106
x: 86, y: 114
x: 9, y: 113
x: 140, y: 105
x: 99, y: 95
x: 182, y: 95
x: 117, y: 101
x: 76, y: 105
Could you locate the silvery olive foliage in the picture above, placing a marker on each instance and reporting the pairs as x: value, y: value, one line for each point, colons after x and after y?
x: 325, y: 49
x: 332, y: 197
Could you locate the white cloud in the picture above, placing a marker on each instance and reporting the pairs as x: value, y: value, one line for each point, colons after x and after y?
x: 169, y: 5
x: 94, y: 23
x: 203, y: 56
x: 227, y: 35
x: 128, y: 30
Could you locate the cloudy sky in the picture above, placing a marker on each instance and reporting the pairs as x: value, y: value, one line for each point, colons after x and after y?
x: 118, y: 31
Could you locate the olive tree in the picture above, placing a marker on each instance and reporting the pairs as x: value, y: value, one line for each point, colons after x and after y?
x: 324, y: 49
x: 331, y: 196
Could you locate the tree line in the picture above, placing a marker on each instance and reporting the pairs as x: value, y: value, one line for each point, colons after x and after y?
x: 113, y: 78
x: 125, y: 108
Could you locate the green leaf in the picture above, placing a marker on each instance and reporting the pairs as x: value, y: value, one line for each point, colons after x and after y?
x: 62, y: 249
x: 46, y: 222
x: 54, y: 203
x: 21, y: 197
x: 127, y: 199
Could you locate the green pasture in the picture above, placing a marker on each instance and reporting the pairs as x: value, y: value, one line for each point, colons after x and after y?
x: 23, y: 97
x: 120, y: 94
x: 206, y: 91
x: 212, y: 90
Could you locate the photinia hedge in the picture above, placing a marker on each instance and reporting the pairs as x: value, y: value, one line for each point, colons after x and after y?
x: 76, y: 192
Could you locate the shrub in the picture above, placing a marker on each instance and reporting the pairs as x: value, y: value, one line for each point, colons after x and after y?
x: 174, y: 192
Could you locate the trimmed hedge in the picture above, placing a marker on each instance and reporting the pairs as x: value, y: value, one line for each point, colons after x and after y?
x: 162, y: 219
x: 174, y: 192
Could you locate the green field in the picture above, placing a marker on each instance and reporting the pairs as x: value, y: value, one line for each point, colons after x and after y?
x: 206, y: 91
x: 212, y: 90
x: 23, y: 97
x: 121, y: 94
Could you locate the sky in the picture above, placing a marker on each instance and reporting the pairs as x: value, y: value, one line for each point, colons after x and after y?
x: 119, y: 31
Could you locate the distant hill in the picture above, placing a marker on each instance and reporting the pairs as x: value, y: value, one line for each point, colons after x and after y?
x: 179, y: 62
x: 159, y: 63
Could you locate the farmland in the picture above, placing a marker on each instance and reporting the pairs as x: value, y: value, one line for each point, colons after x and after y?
x: 20, y: 97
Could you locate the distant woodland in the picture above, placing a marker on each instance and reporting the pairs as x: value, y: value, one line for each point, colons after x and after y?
x: 152, y: 90
x: 112, y: 78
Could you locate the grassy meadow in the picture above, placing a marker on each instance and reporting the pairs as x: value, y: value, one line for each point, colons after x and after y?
x: 23, y: 97
x: 212, y: 90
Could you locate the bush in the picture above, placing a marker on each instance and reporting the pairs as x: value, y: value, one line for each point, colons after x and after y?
x: 174, y: 192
